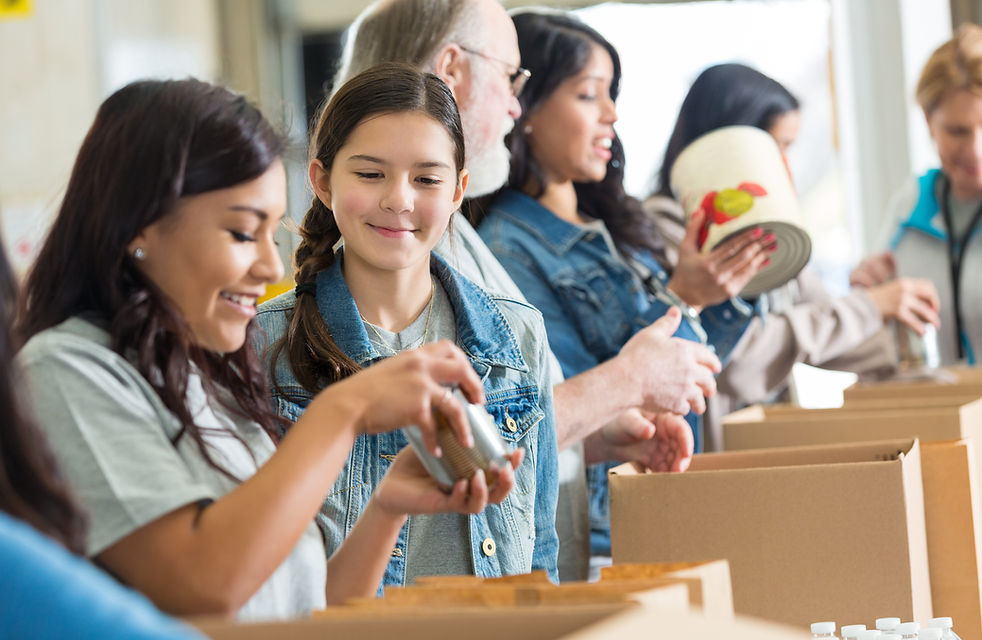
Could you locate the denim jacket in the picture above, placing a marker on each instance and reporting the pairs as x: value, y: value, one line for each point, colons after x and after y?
x: 591, y: 301
x: 501, y: 338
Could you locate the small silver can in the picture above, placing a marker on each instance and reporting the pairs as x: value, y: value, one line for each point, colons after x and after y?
x: 488, y: 453
x: 917, y: 351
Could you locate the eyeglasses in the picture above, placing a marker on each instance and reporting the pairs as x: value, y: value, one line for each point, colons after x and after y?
x: 517, y: 78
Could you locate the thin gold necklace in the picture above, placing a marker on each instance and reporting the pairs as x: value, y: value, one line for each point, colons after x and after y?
x: 426, y: 327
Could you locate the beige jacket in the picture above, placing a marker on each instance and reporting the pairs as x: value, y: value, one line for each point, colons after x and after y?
x: 803, y: 324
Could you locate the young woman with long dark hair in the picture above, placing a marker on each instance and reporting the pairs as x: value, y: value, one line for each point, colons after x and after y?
x: 137, y: 318
x: 583, y: 251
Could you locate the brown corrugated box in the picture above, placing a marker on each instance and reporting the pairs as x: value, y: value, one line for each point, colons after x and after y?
x: 949, y: 381
x: 810, y: 533
x: 579, y: 622
x: 701, y: 585
x: 950, y: 431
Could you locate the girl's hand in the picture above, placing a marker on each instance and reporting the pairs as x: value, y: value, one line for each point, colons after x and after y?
x: 702, y: 280
x: 407, y: 488
x: 406, y: 388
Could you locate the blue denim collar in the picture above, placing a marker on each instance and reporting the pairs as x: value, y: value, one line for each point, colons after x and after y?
x: 482, y: 331
x: 556, y: 234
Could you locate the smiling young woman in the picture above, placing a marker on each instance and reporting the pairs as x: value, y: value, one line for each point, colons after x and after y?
x: 138, y: 319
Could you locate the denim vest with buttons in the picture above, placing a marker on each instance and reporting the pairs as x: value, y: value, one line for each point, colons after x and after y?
x: 592, y: 303
x: 503, y: 339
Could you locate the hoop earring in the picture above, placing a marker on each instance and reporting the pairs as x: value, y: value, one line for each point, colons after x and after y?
x: 139, y: 253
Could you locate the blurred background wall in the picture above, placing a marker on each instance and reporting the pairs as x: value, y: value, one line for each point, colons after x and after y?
x: 853, y: 63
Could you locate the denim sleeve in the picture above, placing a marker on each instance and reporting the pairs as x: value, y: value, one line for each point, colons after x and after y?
x: 565, y: 338
x: 545, y: 555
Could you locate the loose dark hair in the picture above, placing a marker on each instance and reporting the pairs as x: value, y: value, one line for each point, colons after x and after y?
x: 724, y: 95
x: 152, y: 143
x: 31, y: 488
x: 555, y: 47
x: 380, y: 90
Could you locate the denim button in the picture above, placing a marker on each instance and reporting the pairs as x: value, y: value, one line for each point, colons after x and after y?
x: 510, y: 423
x: 727, y: 314
x: 488, y: 547
x: 397, y: 552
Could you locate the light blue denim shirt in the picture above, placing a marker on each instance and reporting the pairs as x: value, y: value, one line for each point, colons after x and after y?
x: 593, y: 303
x: 499, y: 335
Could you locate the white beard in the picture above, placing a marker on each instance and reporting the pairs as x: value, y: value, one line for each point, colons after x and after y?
x: 489, y: 167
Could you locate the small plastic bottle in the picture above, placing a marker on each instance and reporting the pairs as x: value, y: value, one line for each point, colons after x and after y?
x: 887, y: 625
x: 945, y: 624
x: 869, y: 634
x: 889, y: 636
x: 824, y: 630
x: 908, y: 630
x: 851, y: 631
x: 929, y: 633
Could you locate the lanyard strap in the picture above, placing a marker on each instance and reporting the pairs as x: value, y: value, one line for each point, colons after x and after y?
x: 955, y: 253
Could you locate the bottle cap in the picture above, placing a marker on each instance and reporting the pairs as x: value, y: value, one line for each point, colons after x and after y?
x: 941, y: 623
x: 886, y: 624
x: 823, y: 627
x: 851, y: 630
x: 908, y: 628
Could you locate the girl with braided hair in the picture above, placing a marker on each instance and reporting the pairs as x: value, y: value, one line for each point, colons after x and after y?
x: 387, y: 172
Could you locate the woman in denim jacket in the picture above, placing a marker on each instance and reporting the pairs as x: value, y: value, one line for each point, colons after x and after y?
x: 580, y: 249
x: 387, y: 171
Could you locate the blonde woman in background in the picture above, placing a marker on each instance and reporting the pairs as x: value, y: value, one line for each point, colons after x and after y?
x: 939, y: 235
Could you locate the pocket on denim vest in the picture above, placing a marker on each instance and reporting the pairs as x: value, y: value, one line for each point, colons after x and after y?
x: 517, y: 414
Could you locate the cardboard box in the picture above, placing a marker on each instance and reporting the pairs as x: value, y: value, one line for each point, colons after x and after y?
x: 954, y: 533
x: 526, y: 623
x: 663, y: 592
x: 764, y: 427
x: 706, y: 586
x: 952, y: 381
x: 709, y: 586
x: 582, y: 622
x: 810, y: 533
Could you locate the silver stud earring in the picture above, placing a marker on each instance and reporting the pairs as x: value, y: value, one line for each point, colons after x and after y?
x: 527, y: 129
x: 139, y: 253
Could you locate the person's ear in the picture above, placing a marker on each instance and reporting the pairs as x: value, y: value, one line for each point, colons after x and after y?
x: 320, y: 180
x: 451, y: 66
x: 458, y: 195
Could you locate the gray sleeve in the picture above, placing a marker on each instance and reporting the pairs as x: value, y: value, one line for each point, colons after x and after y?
x: 108, y: 430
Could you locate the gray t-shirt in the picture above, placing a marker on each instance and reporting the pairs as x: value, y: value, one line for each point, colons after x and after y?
x: 111, y: 434
x: 437, y: 544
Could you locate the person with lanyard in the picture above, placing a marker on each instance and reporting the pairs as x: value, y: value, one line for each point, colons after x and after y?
x: 940, y: 214
x: 387, y: 170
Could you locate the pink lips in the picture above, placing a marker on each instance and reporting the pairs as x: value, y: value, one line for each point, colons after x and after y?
x: 389, y: 232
